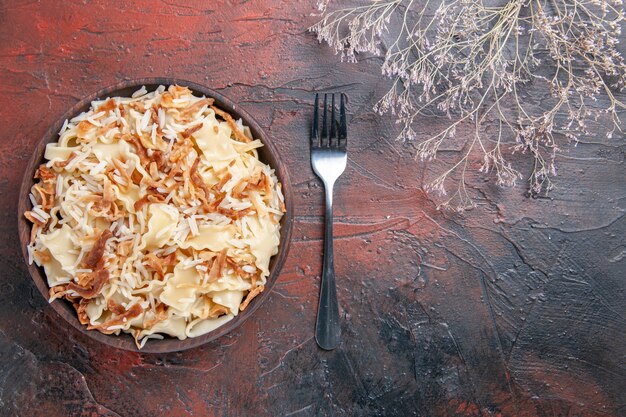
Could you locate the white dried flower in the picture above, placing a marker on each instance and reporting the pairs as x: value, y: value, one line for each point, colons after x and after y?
x: 467, y: 60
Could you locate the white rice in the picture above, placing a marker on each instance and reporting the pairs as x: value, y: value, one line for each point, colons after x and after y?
x: 111, y: 119
x: 145, y: 119
x: 132, y: 302
x: 90, y: 181
x: 191, y: 263
x: 142, y: 222
x: 120, y: 180
x: 142, y: 91
x: 40, y: 212
x: 114, y: 225
x: 193, y: 226
x: 59, y: 188
x: 31, y: 254
x: 162, y: 232
x: 138, y: 126
x: 201, y: 112
x: 80, y: 118
x: 77, y: 160
x: 64, y: 127
x: 170, y: 133
x: 150, y: 336
x: 161, y: 117
x: 98, y: 168
x: 169, y: 250
x: 38, y: 217
x: 94, y: 122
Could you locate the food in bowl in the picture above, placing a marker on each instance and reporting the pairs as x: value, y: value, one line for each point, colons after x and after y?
x: 154, y: 216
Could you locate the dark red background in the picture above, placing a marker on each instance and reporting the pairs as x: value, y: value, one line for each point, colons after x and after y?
x: 514, y: 308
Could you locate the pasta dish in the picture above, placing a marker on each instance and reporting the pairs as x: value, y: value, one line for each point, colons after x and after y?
x: 154, y: 216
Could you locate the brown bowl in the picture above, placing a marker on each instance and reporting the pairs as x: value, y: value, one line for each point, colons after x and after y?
x: 268, y: 154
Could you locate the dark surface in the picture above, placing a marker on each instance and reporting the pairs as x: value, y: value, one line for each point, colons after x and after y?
x: 514, y: 308
x: 267, y: 154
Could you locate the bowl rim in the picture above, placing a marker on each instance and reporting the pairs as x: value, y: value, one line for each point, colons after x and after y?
x: 169, y: 344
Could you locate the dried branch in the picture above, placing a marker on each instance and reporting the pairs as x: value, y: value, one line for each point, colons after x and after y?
x: 469, y: 60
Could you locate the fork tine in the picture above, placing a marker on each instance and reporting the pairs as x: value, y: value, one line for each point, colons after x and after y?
x: 332, y: 139
x: 342, y: 137
x: 315, y: 134
x: 324, y: 140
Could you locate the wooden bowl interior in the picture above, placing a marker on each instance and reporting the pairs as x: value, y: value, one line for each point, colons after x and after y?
x: 267, y: 154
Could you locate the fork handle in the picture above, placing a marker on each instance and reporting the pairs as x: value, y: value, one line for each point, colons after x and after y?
x: 327, y: 328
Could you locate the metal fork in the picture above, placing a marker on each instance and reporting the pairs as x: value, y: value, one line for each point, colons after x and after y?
x: 328, y: 159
